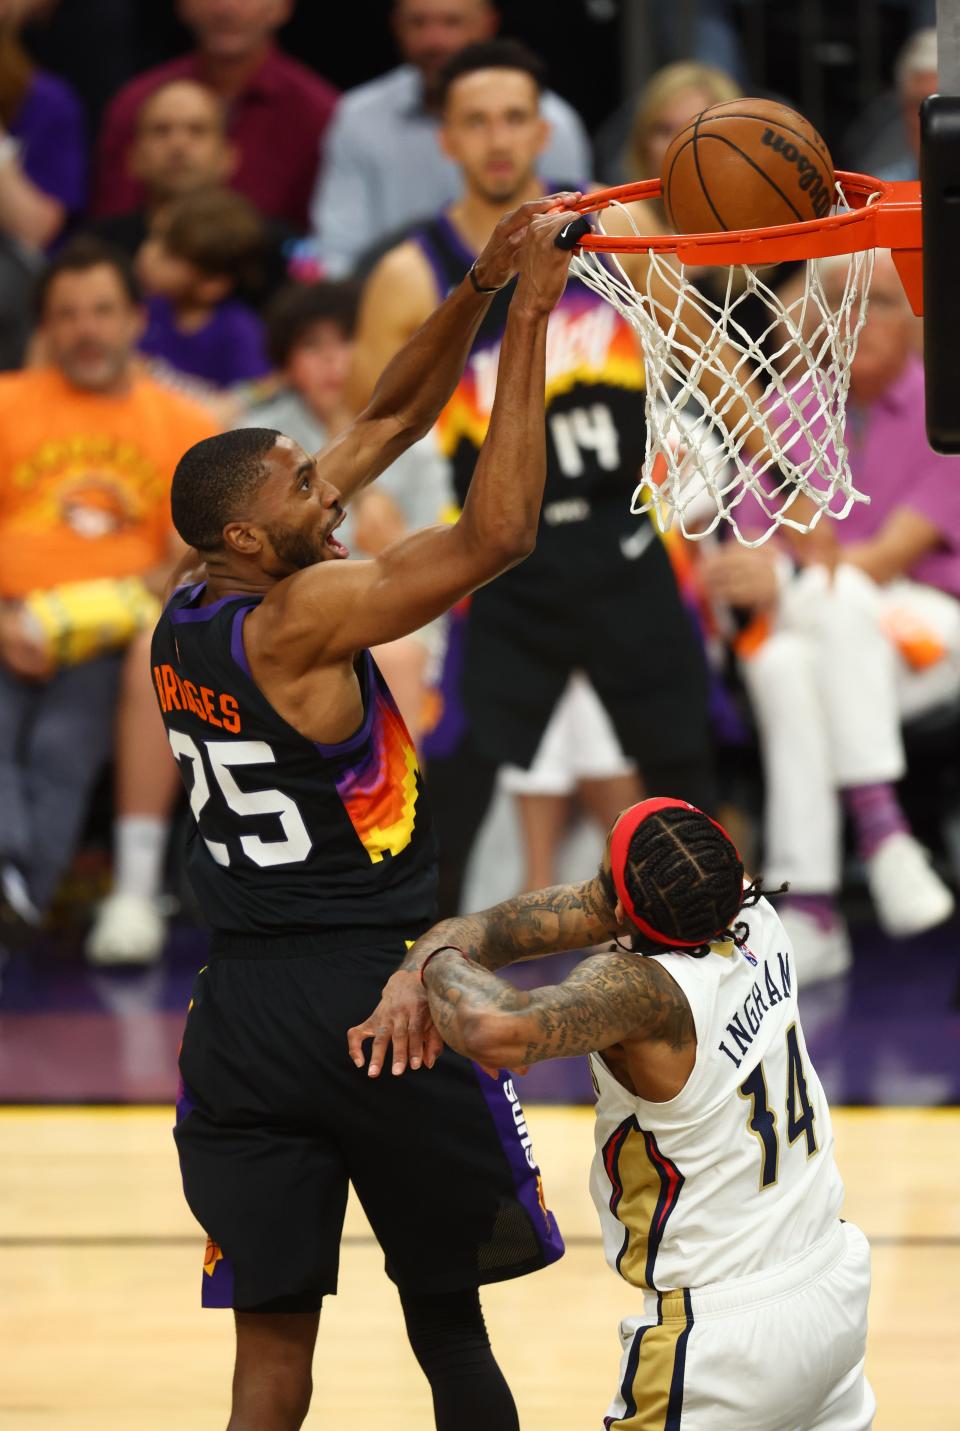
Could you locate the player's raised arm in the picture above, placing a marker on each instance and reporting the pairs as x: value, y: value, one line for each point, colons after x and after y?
x: 330, y: 610
x: 416, y: 384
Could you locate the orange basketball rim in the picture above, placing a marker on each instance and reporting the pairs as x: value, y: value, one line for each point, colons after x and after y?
x: 880, y: 215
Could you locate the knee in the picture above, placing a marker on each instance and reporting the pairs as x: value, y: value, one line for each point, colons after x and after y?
x: 782, y: 667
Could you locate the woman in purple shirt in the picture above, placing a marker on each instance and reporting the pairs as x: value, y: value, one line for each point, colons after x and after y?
x: 43, y: 159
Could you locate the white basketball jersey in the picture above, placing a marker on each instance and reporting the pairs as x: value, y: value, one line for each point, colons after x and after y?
x: 735, y: 1174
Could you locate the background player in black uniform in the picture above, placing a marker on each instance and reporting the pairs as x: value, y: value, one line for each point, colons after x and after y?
x: 313, y: 858
x: 598, y: 598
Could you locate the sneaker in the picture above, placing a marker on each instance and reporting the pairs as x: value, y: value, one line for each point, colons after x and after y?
x: 908, y: 894
x: 128, y: 929
x: 822, y: 950
x: 16, y: 898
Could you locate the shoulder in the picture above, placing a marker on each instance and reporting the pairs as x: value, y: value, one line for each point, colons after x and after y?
x: 405, y: 260
x: 403, y: 278
x: 29, y: 385
x: 617, y: 968
x: 236, y: 317
x: 312, y: 89
x: 188, y: 419
x: 378, y: 97
x: 560, y: 111
x: 55, y: 99
x: 299, y: 614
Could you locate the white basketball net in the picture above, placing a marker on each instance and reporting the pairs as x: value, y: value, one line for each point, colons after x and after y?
x: 774, y: 435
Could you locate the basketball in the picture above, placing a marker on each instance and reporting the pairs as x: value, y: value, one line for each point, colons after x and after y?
x: 746, y: 164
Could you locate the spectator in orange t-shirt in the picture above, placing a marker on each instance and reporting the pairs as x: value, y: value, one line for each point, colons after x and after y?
x: 87, y: 452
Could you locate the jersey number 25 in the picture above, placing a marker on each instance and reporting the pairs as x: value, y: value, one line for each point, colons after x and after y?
x: 296, y: 844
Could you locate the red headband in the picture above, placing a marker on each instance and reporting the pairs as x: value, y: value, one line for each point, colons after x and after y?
x: 623, y: 832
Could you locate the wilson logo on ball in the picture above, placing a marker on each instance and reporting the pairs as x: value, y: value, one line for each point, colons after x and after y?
x: 810, y: 180
x: 746, y: 164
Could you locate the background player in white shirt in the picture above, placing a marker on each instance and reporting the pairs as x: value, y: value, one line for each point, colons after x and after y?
x: 714, y: 1176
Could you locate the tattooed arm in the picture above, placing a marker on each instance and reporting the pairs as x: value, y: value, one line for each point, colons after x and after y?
x: 607, y: 999
x: 568, y: 916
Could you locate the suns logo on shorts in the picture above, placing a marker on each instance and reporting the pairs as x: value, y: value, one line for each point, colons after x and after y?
x: 211, y: 1257
x: 542, y: 1199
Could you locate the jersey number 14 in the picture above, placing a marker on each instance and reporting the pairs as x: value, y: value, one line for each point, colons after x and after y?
x: 763, y: 1120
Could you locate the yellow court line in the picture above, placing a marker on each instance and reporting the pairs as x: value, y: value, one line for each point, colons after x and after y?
x: 583, y: 1110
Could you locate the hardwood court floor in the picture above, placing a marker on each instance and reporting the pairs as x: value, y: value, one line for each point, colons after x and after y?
x: 100, y: 1328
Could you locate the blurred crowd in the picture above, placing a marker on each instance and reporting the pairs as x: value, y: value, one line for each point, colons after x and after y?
x: 241, y: 244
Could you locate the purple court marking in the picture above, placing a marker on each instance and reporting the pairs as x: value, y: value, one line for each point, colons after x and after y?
x: 888, y: 1034
x: 507, y: 1114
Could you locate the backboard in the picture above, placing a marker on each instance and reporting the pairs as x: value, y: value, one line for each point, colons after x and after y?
x: 940, y: 190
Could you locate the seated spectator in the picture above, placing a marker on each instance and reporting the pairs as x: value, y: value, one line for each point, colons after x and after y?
x: 87, y: 453
x: 886, y: 142
x: 865, y: 635
x: 198, y: 252
x: 43, y: 161
x: 309, y: 338
x: 279, y: 110
x: 668, y: 102
x: 384, y: 165
x: 43, y: 169
x: 181, y: 146
x: 670, y: 99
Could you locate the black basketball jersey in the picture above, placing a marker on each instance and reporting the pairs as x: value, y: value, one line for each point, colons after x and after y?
x: 595, y: 427
x: 289, y: 835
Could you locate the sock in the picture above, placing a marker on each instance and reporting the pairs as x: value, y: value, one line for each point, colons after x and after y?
x: 822, y: 908
x: 449, y: 1340
x: 876, y: 815
x: 140, y: 847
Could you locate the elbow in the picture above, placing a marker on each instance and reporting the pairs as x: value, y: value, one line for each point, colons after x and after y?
x: 510, y: 546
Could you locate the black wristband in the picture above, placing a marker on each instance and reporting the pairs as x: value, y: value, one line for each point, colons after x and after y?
x: 472, y: 275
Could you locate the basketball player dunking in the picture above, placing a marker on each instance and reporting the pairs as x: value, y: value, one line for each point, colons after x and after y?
x: 313, y: 859
x: 714, y: 1177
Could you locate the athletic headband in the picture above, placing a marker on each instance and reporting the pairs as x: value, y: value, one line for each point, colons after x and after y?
x: 623, y: 832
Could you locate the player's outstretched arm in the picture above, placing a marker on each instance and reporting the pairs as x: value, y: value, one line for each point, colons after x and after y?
x: 419, y: 380
x: 331, y: 610
x: 607, y: 999
x: 545, y: 921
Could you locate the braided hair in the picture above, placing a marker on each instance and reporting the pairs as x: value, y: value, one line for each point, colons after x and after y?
x: 686, y: 876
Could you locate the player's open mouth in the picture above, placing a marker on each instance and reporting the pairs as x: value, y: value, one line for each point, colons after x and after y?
x: 338, y: 549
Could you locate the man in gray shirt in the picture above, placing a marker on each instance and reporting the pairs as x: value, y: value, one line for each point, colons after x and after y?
x: 384, y: 166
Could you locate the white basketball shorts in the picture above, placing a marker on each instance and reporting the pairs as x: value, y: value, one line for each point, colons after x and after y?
x: 781, y: 1350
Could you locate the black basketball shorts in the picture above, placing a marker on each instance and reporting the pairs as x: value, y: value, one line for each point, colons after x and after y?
x: 274, y: 1121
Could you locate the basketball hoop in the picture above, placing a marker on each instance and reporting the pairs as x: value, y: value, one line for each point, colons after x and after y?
x: 766, y: 448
